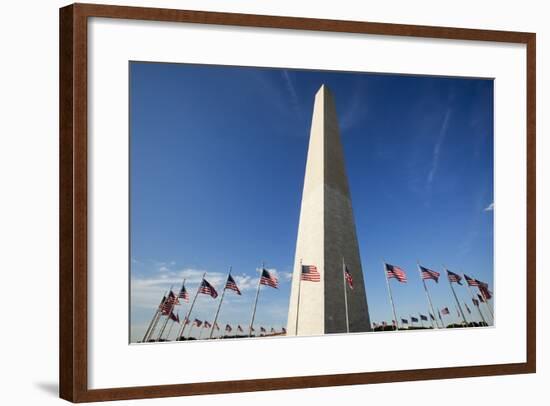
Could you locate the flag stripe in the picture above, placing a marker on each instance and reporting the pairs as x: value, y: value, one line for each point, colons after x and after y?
x: 310, y: 273
x: 393, y: 271
x: 268, y: 279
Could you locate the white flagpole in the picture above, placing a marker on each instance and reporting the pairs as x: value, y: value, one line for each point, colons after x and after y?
x: 182, y: 329
x: 345, y: 292
x: 391, y: 296
x: 255, y: 302
x: 219, y: 305
x: 148, y: 331
x: 427, y: 293
x: 478, y: 309
x: 299, y: 291
x: 167, y: 316
x: 486, y: 301
x: 159, y: 315
x: 456, y: 298
x: 170, y: 330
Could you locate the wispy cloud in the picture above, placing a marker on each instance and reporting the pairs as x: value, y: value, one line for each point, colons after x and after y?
x: 283, y: 96
x: 437, y: 148
x: 146, y: 290
x: 292, y: 92
x: 490, y: 207
x: 356, y: 109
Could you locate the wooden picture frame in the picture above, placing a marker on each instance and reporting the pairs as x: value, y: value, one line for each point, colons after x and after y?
x: 74, y: 201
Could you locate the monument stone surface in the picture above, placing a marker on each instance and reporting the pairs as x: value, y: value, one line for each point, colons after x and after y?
x: 326, y: 236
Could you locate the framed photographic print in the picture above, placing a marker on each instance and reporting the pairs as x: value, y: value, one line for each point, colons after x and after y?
x: 308, y: 193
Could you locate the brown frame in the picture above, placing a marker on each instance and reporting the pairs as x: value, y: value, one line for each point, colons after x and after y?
x: 73, y: 201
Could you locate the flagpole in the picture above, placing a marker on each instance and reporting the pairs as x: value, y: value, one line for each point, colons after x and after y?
x: 255, y: 302
x: 478, y: 309
x: 170, y: 330
x: 159, y: 315
x: 427, y: 293
x: 345, y: 292
x: 456, y: 298
x: 457, y: 313
x: 153, y: 320
x: 167, y: 316
x: 489, y: 308
x: 219, y: 306
x: 391, y: 296
x: 486, y: 300
x: 299, y: 291
x: 182, y: 329
x: 173, y: 306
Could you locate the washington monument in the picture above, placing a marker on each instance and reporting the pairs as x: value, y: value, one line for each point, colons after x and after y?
x: 327, y: 238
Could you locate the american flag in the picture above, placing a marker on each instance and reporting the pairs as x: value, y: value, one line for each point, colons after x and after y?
x: 174, y: 317
x: 374, y: 325
x: 310, y: 273
x: 239, y: 328
x: 467, y: 308
x: 232, y: 285
x: 404, y: 321
x: 384, y: 324
x: 453, y: 277
x: 283, y: 330
x: 348, y: 277
x: 475, y: 302
x: 163, y: 300
x: 432, y: 316
x: 169, y: 303
x: 484, y: 290
x: 272, y: 330
x: 183, y: 293
x: 262, y: 330
x: 445, y: 310
x: 207, y: 289
x: 471, y: 281
x: 228, y: 328
x: 186, y: 320
x: 422, y: 317
x: 393, y: 271
x: 481, y: 298
x: 207, y: 324
x: 197, y: 322
x: 394, y: 323
x: 216, y: 326
x: 414, y: 319
x: 429, y: 274
x: 268, y: 279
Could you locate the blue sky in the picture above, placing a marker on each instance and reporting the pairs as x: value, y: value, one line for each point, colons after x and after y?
x: 217, y: 161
